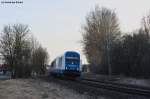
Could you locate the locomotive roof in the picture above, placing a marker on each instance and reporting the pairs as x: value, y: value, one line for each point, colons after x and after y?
x: 65, y: 54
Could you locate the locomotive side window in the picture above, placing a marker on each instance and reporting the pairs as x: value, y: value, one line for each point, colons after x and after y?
x: 53, y: 64
x: 60, y: 62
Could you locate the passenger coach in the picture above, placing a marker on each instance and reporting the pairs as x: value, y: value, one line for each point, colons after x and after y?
x: 67, y: 64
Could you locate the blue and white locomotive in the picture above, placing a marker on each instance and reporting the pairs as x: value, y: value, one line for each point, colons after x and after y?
x: 68, y: 64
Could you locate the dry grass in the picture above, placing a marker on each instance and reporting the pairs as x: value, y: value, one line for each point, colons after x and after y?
x: 35, y: 89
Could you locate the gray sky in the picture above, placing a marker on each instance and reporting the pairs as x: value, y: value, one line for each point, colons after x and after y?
x: 57, y: 23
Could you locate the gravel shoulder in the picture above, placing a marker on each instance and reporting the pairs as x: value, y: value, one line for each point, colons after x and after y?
x: 37, y: 89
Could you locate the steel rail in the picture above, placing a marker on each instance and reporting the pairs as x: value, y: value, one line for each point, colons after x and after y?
x: 116, y: 87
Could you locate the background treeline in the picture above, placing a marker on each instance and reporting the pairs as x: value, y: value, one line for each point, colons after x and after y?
x: 110, y: 51
x: 21, y: 51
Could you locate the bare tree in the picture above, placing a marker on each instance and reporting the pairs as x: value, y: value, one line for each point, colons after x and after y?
x: 7, y: 45
x: 15, y: 48
x: 21, y: 52
x: 39, y: 60
x: 99, y: 33
x: 146, y: 24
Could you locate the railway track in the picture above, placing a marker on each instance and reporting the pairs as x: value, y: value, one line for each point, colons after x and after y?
x: 107, y: 85
x: 124, y: 88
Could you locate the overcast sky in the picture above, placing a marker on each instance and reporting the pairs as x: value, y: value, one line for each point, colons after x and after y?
x: 57, y: 23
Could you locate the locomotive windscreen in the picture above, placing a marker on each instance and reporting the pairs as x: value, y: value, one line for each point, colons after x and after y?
x: 72, y: 59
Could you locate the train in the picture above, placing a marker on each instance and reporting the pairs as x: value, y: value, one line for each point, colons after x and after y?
x: 67, y: 64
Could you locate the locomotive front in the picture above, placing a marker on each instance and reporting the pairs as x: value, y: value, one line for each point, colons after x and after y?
x: 72, y: 63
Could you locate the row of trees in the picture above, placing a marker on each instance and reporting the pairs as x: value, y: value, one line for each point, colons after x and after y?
x: 109, y: 51
x: 131, y: 56
x: 21, y: 51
